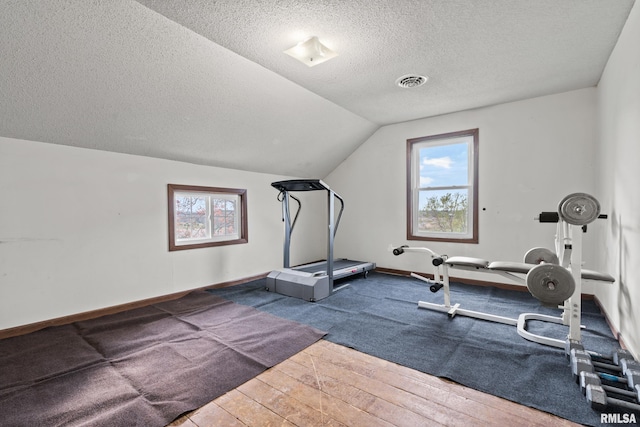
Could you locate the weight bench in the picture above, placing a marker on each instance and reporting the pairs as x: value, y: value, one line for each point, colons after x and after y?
x: 553, y: 278
x: 510, y: 267
x: 517, y: 271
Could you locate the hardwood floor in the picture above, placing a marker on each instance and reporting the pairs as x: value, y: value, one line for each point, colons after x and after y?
x: 331, y: 385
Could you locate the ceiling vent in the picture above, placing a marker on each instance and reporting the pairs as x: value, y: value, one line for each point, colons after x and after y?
x: 411, y: 80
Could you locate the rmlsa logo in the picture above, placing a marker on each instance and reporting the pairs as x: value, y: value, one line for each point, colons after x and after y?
x: 618, y: 418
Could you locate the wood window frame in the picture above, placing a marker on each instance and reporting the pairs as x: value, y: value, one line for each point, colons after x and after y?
x: 411, y: 234
x: 243, y: 235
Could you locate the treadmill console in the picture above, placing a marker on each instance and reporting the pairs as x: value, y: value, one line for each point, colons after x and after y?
x: 300, y: 185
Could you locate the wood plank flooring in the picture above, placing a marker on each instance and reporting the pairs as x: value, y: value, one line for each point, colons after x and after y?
x: 330, y: 385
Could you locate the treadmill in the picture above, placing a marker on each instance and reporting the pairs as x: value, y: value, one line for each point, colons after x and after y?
x: 315, y: 281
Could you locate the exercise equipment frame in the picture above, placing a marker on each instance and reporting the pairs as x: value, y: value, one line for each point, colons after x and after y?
x: 315, y: 281
x: 568, y: 244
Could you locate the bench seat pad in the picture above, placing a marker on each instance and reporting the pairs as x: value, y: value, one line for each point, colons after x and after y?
x: 596, y: 275
x: 520, y: 267
x: 511, y: 267
x: 463, y: 261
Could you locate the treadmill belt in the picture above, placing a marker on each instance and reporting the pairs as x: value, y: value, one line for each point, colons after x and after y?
x: 338, y: 264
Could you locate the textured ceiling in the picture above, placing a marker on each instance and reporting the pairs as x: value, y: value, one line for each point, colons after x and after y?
x: 475, y: 52
x: 206, y: 81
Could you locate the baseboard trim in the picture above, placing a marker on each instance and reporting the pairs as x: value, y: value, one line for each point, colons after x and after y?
x: 65, y: 320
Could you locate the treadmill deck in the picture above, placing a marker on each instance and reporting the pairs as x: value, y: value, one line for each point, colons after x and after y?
x: 311, y: 282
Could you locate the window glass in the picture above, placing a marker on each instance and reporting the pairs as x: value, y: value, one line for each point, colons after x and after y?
x: 224, y: 217
x: 191, y: 217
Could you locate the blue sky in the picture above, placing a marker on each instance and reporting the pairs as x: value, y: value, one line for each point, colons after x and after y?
x: 444, y: 165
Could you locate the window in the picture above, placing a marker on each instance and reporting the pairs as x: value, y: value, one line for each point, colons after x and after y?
x: 442, y: 187
x: 200, y: 217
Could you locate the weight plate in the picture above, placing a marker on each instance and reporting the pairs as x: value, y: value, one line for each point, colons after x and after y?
x: 550, y: 283
x: 579, y: 209
x: 540, y: 255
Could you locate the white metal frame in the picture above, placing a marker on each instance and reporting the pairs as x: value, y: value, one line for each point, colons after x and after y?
x: 569, y: 251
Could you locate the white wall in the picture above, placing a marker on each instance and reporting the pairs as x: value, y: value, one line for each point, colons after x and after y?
x: 83, y: 229
x: 532, y: 154
x: 618, y: 177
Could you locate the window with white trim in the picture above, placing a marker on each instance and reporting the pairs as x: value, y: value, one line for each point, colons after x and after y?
x: 442, y: 187
x: 206, y: 216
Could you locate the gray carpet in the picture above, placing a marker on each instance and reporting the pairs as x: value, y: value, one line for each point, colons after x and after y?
x: 143, y: 367
x: 379, y: 316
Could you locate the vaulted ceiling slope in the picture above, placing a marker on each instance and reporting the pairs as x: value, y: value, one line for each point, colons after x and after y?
x: 206, y: 81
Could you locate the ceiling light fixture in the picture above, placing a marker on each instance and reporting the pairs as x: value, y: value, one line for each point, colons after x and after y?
x: 311, y: 52
x: 411, y: 81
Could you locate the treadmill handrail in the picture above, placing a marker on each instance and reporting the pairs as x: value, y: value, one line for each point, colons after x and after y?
x: 295, y: 218
x: 285, y: 187
x: 286, y: 216
x: 290, y: 185
x: 335, y: 227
